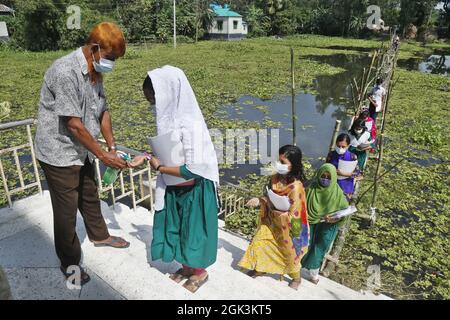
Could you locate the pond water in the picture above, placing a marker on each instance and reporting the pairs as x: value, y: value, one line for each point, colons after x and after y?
x: 438, y: 63
x: 317, y: 113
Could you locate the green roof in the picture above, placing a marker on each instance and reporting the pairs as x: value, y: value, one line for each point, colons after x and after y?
x: 224, y: 11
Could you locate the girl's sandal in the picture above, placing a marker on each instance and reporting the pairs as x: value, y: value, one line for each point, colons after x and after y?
x: 295, y: 284
x: 194, y: 285
x: 179, y: 276
x: 255, y: 274
x: 315, y: 281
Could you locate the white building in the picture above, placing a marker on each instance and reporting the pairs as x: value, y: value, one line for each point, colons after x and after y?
x: 4, y: 11
x: 4, y: 36
x: 228, y: 24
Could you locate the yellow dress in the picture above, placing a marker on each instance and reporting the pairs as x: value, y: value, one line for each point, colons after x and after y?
x: 282, y: 238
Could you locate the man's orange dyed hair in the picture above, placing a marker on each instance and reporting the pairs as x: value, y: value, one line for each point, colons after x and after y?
x: 111, y: 40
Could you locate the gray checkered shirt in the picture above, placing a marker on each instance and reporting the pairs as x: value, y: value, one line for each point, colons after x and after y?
x: 67, y: 92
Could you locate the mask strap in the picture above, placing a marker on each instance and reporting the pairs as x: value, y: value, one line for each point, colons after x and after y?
x: 99, y: 53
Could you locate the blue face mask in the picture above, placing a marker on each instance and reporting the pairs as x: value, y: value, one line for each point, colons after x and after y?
x: 324, y: 182
x: 104, y: 65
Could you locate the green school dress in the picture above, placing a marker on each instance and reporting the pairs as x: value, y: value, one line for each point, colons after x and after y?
x: 186, y: 230
x: 322, y: 201
x: 321, y: 238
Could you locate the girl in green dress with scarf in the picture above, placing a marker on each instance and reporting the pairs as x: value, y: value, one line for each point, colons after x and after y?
x: 323, y: 198
x: 185, y: 227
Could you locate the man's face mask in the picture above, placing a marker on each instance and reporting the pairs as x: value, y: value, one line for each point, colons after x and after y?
x: 104, y: 65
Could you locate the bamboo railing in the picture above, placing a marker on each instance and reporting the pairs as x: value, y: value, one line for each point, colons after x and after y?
x: 386, y: 63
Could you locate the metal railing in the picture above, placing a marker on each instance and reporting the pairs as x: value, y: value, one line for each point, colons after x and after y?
x: 15, y: 151
x: 230, y: 202
x: 124, y: 189
x: 132, y: 174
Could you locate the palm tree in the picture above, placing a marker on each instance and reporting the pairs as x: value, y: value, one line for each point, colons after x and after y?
x: 204, y: 16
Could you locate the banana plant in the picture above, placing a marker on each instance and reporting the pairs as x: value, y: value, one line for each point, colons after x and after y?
x: 5, y: 109
x: 274, y: 6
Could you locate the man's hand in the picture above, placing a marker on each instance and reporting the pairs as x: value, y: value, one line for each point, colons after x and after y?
x: 110, y: 159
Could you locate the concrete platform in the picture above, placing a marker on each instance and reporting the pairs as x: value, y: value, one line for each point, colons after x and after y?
x: 28, y: 257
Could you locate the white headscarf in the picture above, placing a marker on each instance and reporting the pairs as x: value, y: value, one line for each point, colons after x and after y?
x: 177, y: 110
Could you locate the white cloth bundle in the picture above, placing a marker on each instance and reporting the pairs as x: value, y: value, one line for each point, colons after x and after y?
x: 177, y: 110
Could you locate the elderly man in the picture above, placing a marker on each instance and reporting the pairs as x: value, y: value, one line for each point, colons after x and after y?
x: 72, y: 113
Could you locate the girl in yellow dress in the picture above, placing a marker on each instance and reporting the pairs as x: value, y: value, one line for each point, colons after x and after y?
x: 282, y: 237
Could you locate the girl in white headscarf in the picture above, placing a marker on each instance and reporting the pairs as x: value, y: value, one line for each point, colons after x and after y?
x: 185, y: 225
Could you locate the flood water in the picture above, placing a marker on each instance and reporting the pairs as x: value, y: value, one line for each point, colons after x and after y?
x: 317, y: 113
x: 438, y: 63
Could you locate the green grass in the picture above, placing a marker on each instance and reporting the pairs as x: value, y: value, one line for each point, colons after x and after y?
x: 413, y: 257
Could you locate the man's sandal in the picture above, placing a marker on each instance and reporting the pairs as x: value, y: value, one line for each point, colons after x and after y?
x: 194, y: 285
x: 179, y: 276
x: 114, y: 243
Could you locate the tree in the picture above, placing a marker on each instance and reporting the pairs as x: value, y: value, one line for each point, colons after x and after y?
x: 42, y: 25
x: 204, y: 17
x: 446, y: 15
x: 258, y: 23
x: 417, y: 12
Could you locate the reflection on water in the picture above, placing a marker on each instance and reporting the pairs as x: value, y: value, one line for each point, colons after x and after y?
x: 337, y: 88
x: 438, y: 63
x: 317, y: 113
x: 315, y: 124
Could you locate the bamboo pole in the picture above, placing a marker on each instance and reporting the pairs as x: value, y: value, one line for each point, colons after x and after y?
x: 376, y: 180
x: 338, y: 245
x: 337, y: 128
x: 388, y: 98
x: 379, y: 179
x: 294, y: 117
x: 174, y: 24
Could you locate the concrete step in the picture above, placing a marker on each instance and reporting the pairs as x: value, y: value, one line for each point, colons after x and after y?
x: 27, y: 254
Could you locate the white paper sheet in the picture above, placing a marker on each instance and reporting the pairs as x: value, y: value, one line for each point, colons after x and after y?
x: 346, y: 167
x: 369, y: 126
x: 338, y: 215
x: 344, y: 213
x: 280, y: 203
x: 168, y: 148
x: 365, y: 145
